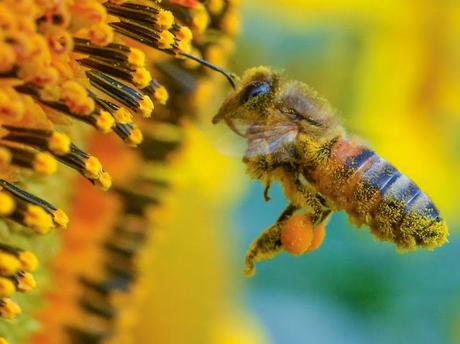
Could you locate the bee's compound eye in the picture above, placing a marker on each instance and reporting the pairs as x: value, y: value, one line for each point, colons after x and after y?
x: 255, y: 90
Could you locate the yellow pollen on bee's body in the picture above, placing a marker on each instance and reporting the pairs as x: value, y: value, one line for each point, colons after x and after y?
x: 9, y: 309
x: 7, y: 204
x: 60, y: 218
x: 28, y: 260
x: 38, y: 219
x: 146, y: 106
x: 105, y: 121
x: 9, y: 264
x: 59, y: 143
x: 3, y: 341
x: 44, y: 163
x: 7, y: 287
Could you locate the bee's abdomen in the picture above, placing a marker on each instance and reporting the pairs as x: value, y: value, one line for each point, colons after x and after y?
x: 374, y: 192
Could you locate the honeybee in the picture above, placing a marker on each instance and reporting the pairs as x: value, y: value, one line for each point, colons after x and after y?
x: 294, y: 137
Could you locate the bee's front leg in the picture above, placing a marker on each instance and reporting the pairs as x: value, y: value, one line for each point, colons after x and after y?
x: 268, y: 244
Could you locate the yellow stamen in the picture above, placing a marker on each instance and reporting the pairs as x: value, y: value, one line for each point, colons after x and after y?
x: 146, y: 106
x: 7, y: 287
x: 25, y: 282
x: 59, y: 143
x: 215, y: 6
x: 45, y: 75
x: 7, y: 204
x: 184, y: 46
x: 123, y: 116
x: 100, y: 34
x: 230, y: 24
x: 5, y: 156
x: 161, y: 95
x: 60, y: 218
x: 9, y: 264
x: 142, y: 77
x: 3, y: 341
x: 91, y: 10
x: 135, y: 137
x: 200, y: 20
x: 166, y: 40
x: 44, y: 163
x: 215, y: 55
x: 50, y: 93
x: 105, y: 121
x: 38, y: 219
x: 184, y: 34
x: 136, y: 57
x: 7, y: 58
x: 9, y: 309
x: 165, y: 19
x: 93, y: 168
x: 104, y: 181
x: 28, y: 260
x: 11, y: 105
x: 76, y: 98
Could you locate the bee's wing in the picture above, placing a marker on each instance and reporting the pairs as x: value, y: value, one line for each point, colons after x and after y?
x: 269, y: 138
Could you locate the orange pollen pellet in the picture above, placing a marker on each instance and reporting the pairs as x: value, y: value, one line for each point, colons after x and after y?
x: 318, y: 237
x: 297, y: 234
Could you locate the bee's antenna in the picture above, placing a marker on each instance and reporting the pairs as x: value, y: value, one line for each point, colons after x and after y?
x: 229, y: 76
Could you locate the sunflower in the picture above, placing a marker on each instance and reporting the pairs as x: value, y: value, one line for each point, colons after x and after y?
x: 72, y: 72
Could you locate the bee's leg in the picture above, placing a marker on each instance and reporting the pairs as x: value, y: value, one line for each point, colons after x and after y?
x: 319, y: 211
x: 268, y: 244
x: 267, y: 191
x: 318, y: 218
x: 287, y: 213
x: 314, y: 201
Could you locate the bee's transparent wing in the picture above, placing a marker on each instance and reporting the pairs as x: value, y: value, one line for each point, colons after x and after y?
x: 226, y: 142
x: 266, y: 139
x: 254, y: 138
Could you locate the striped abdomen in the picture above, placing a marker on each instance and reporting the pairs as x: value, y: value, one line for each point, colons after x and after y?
x: 374, y: 192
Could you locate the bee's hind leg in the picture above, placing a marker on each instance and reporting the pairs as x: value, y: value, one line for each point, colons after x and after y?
x: 268, y: 244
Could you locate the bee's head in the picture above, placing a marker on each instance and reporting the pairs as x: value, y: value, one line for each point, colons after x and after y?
x: 251, y: 101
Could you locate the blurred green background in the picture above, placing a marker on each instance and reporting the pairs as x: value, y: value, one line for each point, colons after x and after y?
x: 392, y: 69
